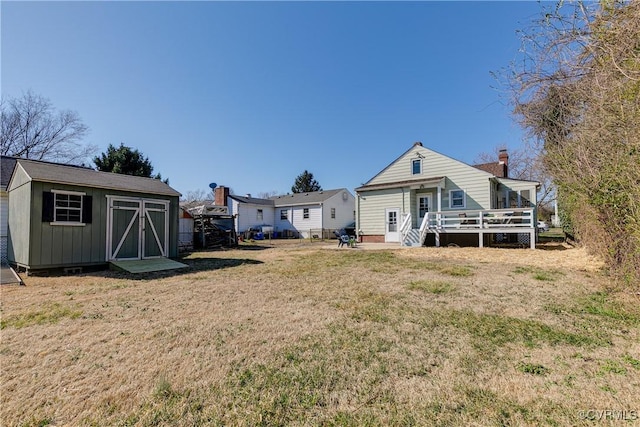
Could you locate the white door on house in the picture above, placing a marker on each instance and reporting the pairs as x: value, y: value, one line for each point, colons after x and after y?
x: 424, y: 206
x: 392, y: 225
x: 137, y: 228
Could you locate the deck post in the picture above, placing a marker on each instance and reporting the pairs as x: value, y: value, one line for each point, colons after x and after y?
x: 480, y: 239
x: 532, y: 238
x: 437, y: 239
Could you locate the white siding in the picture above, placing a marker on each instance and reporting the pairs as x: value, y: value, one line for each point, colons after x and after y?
x: 303, y: 225
x: 185, y: 233
x: 458, y: 175
x: 247, y: 215
x: 372, y: 209
x: 4, y: 222
x: 344, y: 210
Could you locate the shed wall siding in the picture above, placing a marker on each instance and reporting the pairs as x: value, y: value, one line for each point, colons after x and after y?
x: 4, y: 225
x: 19, y: 220
x: 19, y: 178
x: 52, y: 246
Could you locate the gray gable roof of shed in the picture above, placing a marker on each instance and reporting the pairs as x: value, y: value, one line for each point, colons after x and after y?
x: 6, y: 169
x: 75, y: 175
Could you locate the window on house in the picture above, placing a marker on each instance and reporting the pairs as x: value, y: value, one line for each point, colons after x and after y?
x: 66, y: 208
x: 456, y: 199
x: 525, y: 199
x: 416, y: 166
x: 260, y: 216
x: 333, y: 213
x: 283, y: 214
x: 305, y: 213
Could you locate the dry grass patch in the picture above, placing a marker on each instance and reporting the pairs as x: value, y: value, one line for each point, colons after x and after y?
x: 303, y: 335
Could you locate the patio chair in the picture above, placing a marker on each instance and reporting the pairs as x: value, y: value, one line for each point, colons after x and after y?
x: 343, y: 238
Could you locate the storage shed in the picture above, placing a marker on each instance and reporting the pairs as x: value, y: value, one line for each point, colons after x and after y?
x: 68, y: 217
x: 6, y: 169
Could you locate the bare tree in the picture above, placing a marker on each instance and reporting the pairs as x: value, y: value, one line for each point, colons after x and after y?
x: 196, y: 198
x: 577, y: 92
x: 267, y: 194
x: 32, y: 129
x: 526, y: 163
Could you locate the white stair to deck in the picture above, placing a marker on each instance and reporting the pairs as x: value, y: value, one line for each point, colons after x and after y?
x: 413, y: 238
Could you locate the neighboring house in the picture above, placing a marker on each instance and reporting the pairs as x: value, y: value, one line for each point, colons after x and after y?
x: 68, y: 217
x: 6, y: 169
x: 303, y: 214
x: 185, y: 232
x: 426, y: 198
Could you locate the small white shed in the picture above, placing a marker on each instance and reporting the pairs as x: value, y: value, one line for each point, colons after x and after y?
x: 185, y: 230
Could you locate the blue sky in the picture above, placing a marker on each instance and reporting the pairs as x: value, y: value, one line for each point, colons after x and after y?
x: 250, y: 94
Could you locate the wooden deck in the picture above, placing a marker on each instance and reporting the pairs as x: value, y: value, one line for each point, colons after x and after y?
x: 9, y: 276
x: 147, y: 265
x: 480, y: 222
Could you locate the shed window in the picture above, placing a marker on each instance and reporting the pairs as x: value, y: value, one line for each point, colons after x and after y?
x: 333, y: 213
x: 66, y: 208
x: 305, y: 213
x: 456, y: 199
x: 416, y: 166
x: 283, y: 214
x: 259, y: 215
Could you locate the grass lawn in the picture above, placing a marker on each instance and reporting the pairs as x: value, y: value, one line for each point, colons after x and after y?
x: 309, y: 334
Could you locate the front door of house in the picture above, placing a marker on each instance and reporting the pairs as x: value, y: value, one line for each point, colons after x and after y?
x: 424, y: 206
x: 137, y: 228
x: 392, y: 225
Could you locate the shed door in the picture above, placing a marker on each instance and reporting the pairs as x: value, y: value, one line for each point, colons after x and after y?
x: 155, y: 228
x: 137, y: 228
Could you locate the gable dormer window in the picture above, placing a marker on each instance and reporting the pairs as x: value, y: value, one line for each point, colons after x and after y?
x: 416, y: 166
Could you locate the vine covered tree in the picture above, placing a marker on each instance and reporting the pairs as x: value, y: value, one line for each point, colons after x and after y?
x: 305, y: 183
x: 32, y: 129
x: 125, y: 160
x: 577, y: 93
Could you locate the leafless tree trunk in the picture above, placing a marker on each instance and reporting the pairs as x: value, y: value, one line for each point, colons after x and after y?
x: 32, y: 129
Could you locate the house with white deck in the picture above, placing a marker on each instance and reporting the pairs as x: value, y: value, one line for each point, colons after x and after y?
x: 427, y: 198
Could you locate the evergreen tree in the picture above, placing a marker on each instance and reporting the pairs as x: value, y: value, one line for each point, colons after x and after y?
x: 127, y: 161
x: 305, y: 183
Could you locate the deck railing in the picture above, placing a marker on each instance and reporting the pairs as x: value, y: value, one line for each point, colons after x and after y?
x: 516, y: 218
x: 424, y: 228
x: 405, y: 228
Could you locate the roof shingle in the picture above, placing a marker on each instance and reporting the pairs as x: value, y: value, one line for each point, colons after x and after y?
x: 77, y: 175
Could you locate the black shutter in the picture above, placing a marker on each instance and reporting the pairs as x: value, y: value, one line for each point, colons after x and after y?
x: 47, y: 206
x: 87, y: 209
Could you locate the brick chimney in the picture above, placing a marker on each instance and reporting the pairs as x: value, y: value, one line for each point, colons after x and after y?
x: 503, y: 159
x: 221, y: 194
